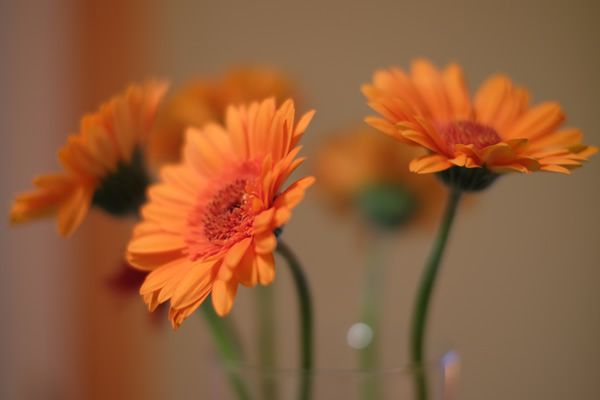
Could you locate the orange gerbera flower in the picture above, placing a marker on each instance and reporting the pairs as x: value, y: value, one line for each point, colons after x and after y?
x: 252, y: 83
x: 498, y: 130
x: 205, y: 100
x: 103, y: 163
x: 360, y: 171
x: 210, y: 224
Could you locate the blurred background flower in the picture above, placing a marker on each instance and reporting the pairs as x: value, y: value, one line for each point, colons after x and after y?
x: 104, y: 163
x: 364, y: 173
x: 126, y: 282
x: 204, y: 100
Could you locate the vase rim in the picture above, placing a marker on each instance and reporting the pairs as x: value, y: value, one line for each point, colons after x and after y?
x: 446, y: 360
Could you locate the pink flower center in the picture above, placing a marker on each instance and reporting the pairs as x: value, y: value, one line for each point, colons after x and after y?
x: 226, y: 214
x: 468, y: 132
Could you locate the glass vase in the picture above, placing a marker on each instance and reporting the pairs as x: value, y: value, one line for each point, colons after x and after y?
x: 332, y: 384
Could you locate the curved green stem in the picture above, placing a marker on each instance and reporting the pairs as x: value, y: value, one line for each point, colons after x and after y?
x: 228, y: 347
x: 267, y: 339
x: 306, y: 319
x: 419, y: 321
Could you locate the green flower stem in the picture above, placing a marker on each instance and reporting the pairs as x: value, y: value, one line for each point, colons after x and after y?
x: 370, y: 315
x: 417, y: 351
x: 266, y: 339
x: 229, y: 349
x: 306, y: 320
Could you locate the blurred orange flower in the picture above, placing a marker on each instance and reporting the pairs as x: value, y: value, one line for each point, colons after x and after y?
x: 103, y: 163
x: 497, y: 130
x: 210, y: 224
x: 355, y: 161
x: 205, y: 100
x: 243, y: 85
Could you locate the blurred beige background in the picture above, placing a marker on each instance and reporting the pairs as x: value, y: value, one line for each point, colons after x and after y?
x: 520, y: 287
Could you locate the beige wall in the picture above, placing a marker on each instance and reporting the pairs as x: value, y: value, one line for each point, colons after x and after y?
x: 519, y: 290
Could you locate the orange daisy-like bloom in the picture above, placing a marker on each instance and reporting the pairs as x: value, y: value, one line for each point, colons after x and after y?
x: 210, y: 224
x: 252, y: 83
x: 205, y: 100
x: 497, y: 130
x: 100, y: 161
x: 357, y: 161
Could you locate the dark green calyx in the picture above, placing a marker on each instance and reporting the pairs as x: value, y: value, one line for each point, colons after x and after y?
x: 123, y: 190
x: 468, y: 179
x: 386, y: 205
x: 278, y: 231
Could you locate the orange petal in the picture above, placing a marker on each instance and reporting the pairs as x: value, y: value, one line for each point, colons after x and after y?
x: 460, y: 160
x: 282, y: 215
x: 384, y: 126
x: 471, y: 152
x: 74, y: 210
x: 294, y: 193
x: 170, y: 219
x: 556, y: 168
x: 258, y: 129
x: 288, y: 171
x: 265, y: 243
x: 498, y: 102
x: 183, y: 177
x: 426, y: 126
x: 280, y: 137
x: 429, y: 164
x: 124, y: 128
x: 562, y: 139
x: 418, y: 137
x: 159, y: 242
x: 396, y: 109
x: 512, y: 167
x: 235, y: 127
x: 498, y: 154
x: 587, y: 151
x: 457, y: 92
x: 152, y: 261
x: 304, y: 122
x: 563, y: 161
x: 100, y: 144
x: 207, y: 150
x: 247, y: 272
x: 502, y: 157
x: 223, y: 295
x: 395, y: 83
x: 52, y: 191
x: 265, y: 265
x: 166, y: 274
x: 178, y: 315
x: 195, y: 285
x: 236, y: 253
x: 428, y: 80
x: 68, y: 160
x: 537, y: 122
x: 84, y: 158
x: 263, y: 220
x: 171, y: 195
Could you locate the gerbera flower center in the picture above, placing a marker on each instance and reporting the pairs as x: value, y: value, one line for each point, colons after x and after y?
x: 226, y: 213
x: 123, y: 190
x: 469, y: 132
